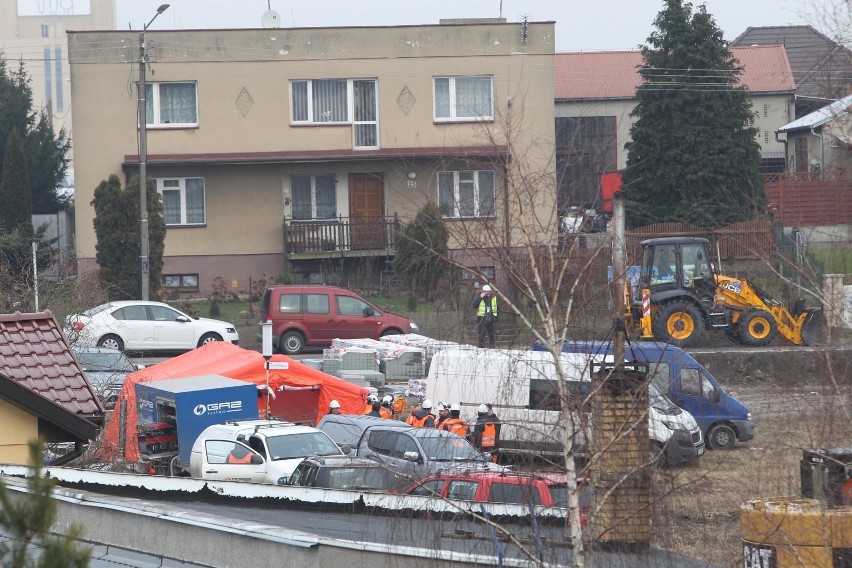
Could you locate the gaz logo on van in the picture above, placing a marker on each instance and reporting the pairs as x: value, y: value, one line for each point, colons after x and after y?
x: 758, y: 556
x: 218, y: 407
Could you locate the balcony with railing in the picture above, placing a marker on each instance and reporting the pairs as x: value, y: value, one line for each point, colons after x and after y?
x: 341, y: 236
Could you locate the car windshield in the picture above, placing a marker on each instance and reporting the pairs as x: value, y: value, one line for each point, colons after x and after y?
x: 96, y: 310
x: 357, y: 478
x: 290, y: 446
x: 660, y: 401
x: 451, y: 449
x: 105, y: 361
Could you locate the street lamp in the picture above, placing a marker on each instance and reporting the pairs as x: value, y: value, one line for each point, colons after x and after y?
x: 143, y: 158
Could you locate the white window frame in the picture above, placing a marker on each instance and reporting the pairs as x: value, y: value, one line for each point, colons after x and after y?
x: 456, y: 214
x: 350, y: 107
x: 453, y: 102
x: 181, y: 187
x: 154, y: 121
x: 313, y: 178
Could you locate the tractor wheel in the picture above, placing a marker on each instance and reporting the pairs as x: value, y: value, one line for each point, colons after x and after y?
x: 757, y: 328
x: 678, y: 323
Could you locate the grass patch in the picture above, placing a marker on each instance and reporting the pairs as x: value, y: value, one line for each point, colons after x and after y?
x: 835, y: 261
x: 399, y: 305
x: 234, y: 312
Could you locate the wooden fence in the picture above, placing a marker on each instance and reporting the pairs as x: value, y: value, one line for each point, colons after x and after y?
x: 744, y: 240
x: 809, y: 199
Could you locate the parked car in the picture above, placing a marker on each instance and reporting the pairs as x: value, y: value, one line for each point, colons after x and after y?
x: 144, y: 326
x: 106, y: 369
x: 411, y: 453
x: 336, y: 472
x: 270, y: 449
x: 546, y: 489
x: 315, y: 315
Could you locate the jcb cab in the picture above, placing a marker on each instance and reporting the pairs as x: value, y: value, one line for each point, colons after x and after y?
x: 680, y: 294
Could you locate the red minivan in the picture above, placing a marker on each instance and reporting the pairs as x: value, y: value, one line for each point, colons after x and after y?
x: 315, y: 315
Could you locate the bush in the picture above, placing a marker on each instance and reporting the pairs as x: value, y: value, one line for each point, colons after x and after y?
x: 215, y: 312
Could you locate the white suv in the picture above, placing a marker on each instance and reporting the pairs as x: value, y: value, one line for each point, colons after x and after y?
x: 260, y: 451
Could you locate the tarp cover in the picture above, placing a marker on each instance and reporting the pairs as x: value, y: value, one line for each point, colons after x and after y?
x: 229, y: 360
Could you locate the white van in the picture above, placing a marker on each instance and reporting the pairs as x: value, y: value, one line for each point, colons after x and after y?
x: 522, y: 387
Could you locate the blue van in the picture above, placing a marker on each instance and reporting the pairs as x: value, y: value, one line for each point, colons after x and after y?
x: 723, y: 419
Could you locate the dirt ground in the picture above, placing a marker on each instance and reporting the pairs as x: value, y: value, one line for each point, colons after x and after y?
x: 697, y: 507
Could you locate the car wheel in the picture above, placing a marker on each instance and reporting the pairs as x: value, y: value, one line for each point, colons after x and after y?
x: 292, y: 343
x: 721, y: 437
x: 390, y: 332
x: 209, y: 338
x: 678, y: 323
x: 111, y: 342
x: 656, y: 455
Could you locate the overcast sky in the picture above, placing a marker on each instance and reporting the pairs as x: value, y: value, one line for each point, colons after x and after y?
x: 580, y: 25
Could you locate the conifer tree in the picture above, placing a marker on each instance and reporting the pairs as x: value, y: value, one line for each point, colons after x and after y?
x: 15, y: 197
x: 117, y: 231
x: 422, y: 250
x: 693, y: 156
x: 29, y: 521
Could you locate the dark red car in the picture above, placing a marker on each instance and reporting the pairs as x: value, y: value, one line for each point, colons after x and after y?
x: 546, y: 489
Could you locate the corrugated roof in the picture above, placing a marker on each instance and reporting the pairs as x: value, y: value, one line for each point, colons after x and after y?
x: 615, y: 75
x: 35, y: 355
x: 821, y: 67
x: 821, y: 116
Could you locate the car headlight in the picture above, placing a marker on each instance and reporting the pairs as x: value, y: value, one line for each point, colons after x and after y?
x: 748, y: 416
x: 230, y: 330
x: 412, y: 325
x: 670, y: 425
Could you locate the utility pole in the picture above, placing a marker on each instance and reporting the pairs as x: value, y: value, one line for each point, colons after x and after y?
x: 143, y: 158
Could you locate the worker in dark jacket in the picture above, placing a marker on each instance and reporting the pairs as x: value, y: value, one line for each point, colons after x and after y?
x: 484, y: 437
x: 486, y: 315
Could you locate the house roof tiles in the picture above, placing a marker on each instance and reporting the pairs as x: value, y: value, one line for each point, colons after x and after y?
x: 615, y: 75
x: 35, y: 354
x: 821, y: 67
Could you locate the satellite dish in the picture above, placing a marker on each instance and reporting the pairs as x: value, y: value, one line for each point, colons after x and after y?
x: 271, y: 19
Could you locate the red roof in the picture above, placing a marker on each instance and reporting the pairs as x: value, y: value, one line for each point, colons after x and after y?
x: 614, y: 74
x: 35, y: 355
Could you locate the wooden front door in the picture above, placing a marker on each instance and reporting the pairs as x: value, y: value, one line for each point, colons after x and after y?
x: 802, y: 165
x: 366, y: 211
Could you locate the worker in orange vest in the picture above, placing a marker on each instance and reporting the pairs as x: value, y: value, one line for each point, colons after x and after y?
x: 443, y: 415
x: 846, y: 490
x: 484, y: 437
x: 386, y: 411
x: 421, y: 417
x: 454, y: 423
x: 370, y: 400
x: 239, y: 454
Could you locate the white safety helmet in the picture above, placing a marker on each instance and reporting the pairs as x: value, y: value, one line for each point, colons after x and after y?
x: 372, y: 398
x: 455, y: 407
x: 334, y: 404
x: 388, y: 399
x: 442, y: 406
x: 482, y: 409
x: 427, y: 404
x: 486, y: 288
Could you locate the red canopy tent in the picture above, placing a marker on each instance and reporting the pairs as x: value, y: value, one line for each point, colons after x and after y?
x: 301, y: 392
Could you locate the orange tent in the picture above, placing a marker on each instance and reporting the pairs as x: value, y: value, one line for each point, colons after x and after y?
x: 301, y: 392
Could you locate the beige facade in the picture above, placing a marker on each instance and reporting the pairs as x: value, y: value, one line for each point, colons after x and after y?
x: 19, y: 428
x: 34, y: 31
x: 771, y: 111
x: 340, y: 134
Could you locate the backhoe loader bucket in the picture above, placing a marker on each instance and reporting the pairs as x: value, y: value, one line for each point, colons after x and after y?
x: 815, y: 329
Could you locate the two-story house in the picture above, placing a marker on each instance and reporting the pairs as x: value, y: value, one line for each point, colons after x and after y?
x: 309, y: 148
x: 596, y: 92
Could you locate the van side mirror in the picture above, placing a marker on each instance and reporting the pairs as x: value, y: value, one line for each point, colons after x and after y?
x: 411, y: 456
x: 716, y: 395
x: 368, y: 311
x: 256, y: 459
x: 347, y: 449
